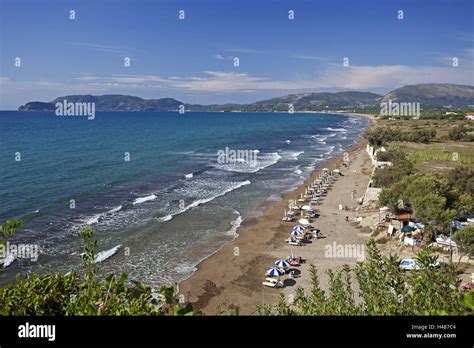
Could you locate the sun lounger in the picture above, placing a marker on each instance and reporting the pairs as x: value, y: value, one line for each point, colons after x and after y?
x: 288, y: 218
x: 294, y: 243
x: 273, y: 284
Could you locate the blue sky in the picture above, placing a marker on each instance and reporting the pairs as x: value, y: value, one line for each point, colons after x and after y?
x: 192, y: 59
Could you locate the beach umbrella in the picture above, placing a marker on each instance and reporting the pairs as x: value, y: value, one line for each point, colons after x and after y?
x: 325, y: 169
x: 282, y: 264
x: 336, y: 171
x: 296, y: 233
x: 299, y: 228
x: 274, y: 272
x: 306, y: 207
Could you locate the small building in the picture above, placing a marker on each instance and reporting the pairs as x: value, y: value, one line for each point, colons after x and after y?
x: 404, y: 219
x: 469, y: 116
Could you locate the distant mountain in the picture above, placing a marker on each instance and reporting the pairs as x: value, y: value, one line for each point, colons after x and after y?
x: 428, y: 95
x: 111, y: 102
x: 301, y: 102
x: 434, y: 95
x: 318, y: 101
x: 37, y: 106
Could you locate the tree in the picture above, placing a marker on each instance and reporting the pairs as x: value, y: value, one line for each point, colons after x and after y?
x: 465, y: 240
x: 457, y: 133
x: 465, y: 203
x: 9, y: 228
x: 431, y: 208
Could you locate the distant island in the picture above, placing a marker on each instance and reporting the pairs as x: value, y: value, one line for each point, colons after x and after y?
x: 429, y: 95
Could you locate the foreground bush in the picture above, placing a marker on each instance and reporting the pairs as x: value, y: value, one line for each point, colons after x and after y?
x: 86, y: 293
x: 383, y: 289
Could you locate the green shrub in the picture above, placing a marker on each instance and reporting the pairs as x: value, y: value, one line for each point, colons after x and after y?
x: 383, y: 289
x: 86, y: 293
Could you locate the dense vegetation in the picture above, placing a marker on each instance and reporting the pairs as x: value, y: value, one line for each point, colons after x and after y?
x: 434, y: 198
x: 381, y: 136
x: 431, y: 114
x: 401, y: 167
x: 460, y: 133
x: 384, y: 289
x: 86, y: 293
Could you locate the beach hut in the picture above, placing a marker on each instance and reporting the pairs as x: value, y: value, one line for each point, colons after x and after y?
x: 403, y: 219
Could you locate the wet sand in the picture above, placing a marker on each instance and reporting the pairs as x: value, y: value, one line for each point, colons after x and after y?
x: 232, y: 277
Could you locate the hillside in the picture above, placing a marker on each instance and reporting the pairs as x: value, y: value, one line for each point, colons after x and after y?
x: 428, y: 95
x: 434, y: 95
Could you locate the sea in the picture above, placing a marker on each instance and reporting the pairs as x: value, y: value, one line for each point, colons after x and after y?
x: 161, y: 190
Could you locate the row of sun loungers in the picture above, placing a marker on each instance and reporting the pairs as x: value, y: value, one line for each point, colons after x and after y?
x: 314, y: 194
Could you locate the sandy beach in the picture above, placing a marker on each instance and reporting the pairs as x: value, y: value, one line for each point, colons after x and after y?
x: 232, y: 277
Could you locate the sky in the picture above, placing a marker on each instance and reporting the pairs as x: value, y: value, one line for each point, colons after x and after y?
x: 192, y: 59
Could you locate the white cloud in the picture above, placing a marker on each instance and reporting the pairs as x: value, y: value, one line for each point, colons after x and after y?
x: 334, y: 77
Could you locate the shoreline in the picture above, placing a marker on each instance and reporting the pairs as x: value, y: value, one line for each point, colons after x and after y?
x: 231, y: 277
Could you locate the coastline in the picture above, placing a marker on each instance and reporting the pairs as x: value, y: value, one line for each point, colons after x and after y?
x: 231, y: 277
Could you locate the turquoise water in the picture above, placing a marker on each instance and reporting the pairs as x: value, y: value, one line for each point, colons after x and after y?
x: 172, y: 203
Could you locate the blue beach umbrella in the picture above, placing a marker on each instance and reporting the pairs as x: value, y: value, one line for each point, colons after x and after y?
x: 295, y: 233
x: 273, y: 272
x: 299, y: 228
x: 282, y: 264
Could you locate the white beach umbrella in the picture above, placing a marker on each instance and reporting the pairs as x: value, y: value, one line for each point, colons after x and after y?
x: 296, y: 233
x: 325, y: 169
x: 304, y: 222
x: 336, y: 171
x: 282, y: 264
x: 306, y: 207
x: 274, y: 272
